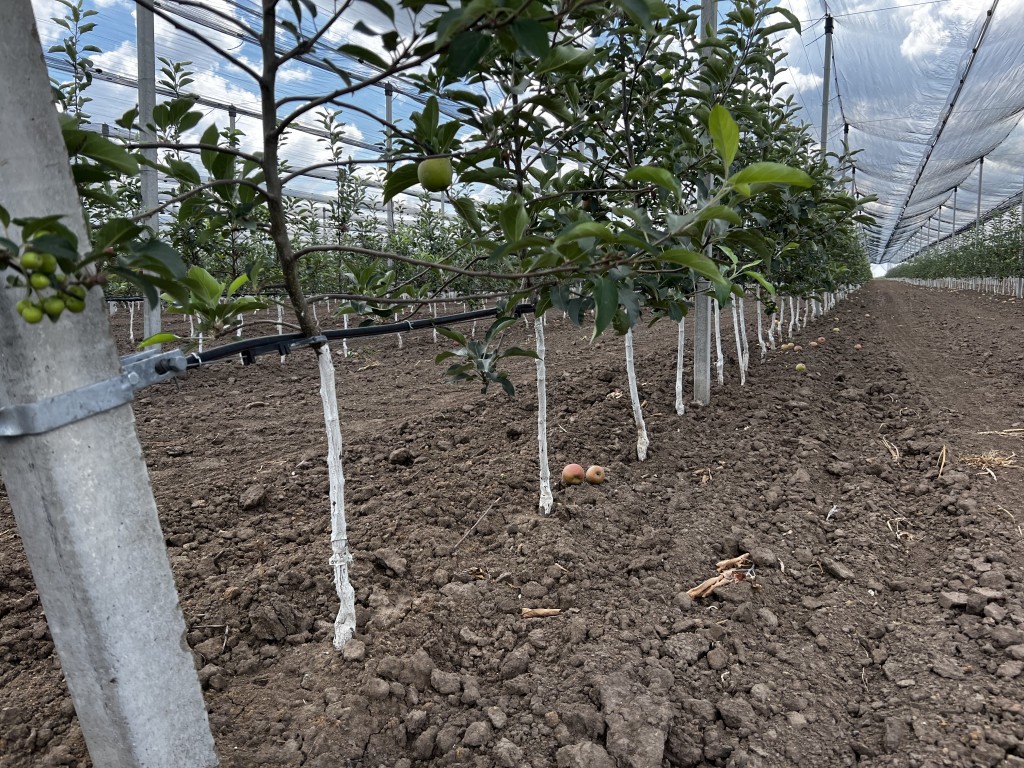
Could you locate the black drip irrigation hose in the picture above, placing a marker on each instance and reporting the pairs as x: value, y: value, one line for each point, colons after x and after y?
x: 284, y: 344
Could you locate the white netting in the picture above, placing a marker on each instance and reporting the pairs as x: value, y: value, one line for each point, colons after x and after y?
x: 927, y: 90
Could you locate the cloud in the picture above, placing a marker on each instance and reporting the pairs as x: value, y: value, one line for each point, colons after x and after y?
x: 932, y: 28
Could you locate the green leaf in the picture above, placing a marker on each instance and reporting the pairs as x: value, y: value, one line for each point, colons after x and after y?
x: 97, y: 148
x: 757, y: 276
x: 5, y: 217
x: 583, y: 230
x: 793, y: 20
x: 725, y: 134
x: 698, y: 262
x: 514, y: 218
x: 205, y: 286
x: 606, y: 304
x: 771, y: 173
x: 364, y: 55
x: 209, y: 137
x: 723, y: 212
x: 466, y: 209
x: 383, y: 7
x: 660, y: 177
x: 156, y: 254
x: 158, y: 338
x: 399, y: 180
x: 466, y: 51
x: 637, y: 10
x: 115, y: 232
x: 183, y: 171
x: 531, y: 36
x: 450, y: 333
x: 237, y: 283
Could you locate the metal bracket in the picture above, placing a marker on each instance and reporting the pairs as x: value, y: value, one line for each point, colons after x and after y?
x: 138, y: 370
x: 279, y: 347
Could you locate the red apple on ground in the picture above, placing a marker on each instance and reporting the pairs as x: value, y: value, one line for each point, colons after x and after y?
x: 572, y: 474
x: 822, y: 339
x: 858, y: 347
x: 596, y: 475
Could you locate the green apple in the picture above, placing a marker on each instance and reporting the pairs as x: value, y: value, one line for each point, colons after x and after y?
x: 435, y: 173
x: 31, y: 314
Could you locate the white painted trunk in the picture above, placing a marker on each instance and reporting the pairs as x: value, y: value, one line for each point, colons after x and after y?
x: 794, y: 307
x: 546, y: 499
x: 344, y: 342
x: 743, y: 335
x: 642, y: 441
x: 680, y: 350
x: 739, y: 343
x: 131, y: 321
x: 345, y: 622
x: 759, y: 311
x: 719, y: 357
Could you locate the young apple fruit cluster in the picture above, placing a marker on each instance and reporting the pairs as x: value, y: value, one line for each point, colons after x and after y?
x: 50, y: 293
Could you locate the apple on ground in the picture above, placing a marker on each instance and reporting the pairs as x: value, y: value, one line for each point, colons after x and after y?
x: 801, y: 368
x: 813, y: 344
x: 573, y: 474
x: 822, y: 339
x: 596, y: 475
x: 858, y: 347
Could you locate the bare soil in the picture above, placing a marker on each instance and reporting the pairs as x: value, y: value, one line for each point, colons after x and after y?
x: 878, y: 496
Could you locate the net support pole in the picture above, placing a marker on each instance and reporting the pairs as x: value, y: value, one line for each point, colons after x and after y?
x: 829, y: 25
x: 702, y: 303
x: 977, y: 221
x: 389, y: 101
x: 148, y: 178
x: 952, y: 231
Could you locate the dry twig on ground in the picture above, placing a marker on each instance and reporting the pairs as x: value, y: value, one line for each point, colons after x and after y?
x: 986, y: 462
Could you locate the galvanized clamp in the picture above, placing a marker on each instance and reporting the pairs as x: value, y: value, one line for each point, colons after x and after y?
x: 139, y: 370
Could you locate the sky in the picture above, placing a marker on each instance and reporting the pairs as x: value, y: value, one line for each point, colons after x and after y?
x: 896, y: 71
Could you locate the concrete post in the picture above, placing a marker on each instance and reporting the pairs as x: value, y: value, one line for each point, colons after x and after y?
x: 80, y: 494
x: 829, y: 24
x: 148, y: 178
x: 389, y: 99
x: 702, y: 304
x: 977, y: 221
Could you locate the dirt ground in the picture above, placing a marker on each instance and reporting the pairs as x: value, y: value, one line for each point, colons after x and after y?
x: 878, y: 496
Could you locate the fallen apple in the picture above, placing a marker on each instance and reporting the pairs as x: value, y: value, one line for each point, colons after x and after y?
x: 822, y: 339
x: 798, y: 348
x: 596, y: 475
x: 801, y: 368
x: 813, y: 344
x: 435, y: 173
x: 572, y: 474
x: 835, y: 330
x: 858, y: 347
